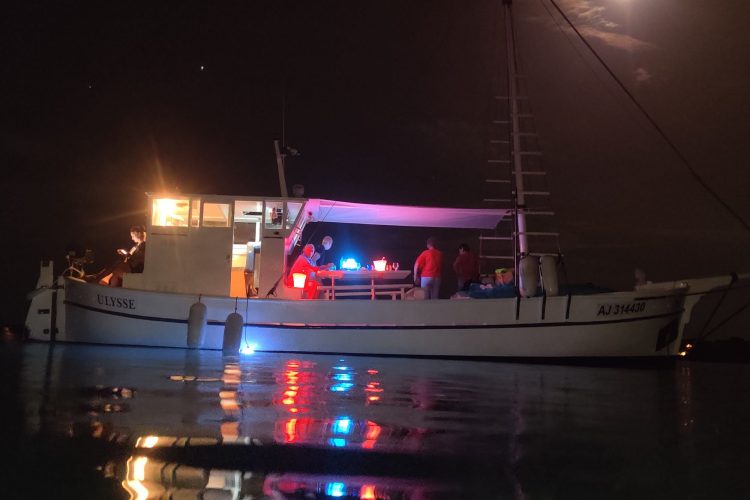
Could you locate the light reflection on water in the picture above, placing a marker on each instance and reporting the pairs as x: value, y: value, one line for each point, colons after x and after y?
x: 436, y: 427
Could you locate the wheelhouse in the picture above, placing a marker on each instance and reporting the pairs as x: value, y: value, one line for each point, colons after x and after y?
x: 217, y: 245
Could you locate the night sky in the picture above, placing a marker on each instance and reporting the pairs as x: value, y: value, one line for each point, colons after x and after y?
x: 387, y: 101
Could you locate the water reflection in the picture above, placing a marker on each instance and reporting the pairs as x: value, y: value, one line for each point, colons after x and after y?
x: 324, y: 426
x: 145, y: 478
x: 299, y: 381
x: 275, y: 473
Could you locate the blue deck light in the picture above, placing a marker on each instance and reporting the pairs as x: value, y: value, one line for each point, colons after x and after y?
x: 248, y: 349
x: 349, y: 264
x: 335, y: 489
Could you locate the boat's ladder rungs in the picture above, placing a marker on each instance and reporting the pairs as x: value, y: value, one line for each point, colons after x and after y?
x: 514, y: 177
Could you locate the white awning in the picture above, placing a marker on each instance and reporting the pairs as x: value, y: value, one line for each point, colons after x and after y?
x: 402, y: 215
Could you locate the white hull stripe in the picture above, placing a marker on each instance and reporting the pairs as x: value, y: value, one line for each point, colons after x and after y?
x: 297, y: 326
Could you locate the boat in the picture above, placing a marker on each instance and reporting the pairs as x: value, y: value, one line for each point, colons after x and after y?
x: 192, y: 259
x: 216, y: 277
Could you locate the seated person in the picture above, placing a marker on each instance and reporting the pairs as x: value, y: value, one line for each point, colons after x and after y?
x: 322, y: 257
x: 504, y: 277
x: 132, y: 261
x: 305, y: 265
x: 502, y: 287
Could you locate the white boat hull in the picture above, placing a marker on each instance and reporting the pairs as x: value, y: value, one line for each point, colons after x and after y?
x: 621, y: 324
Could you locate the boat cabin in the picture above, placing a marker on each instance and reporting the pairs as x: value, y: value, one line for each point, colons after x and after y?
x: 241, y: 246
x: 216, y: 245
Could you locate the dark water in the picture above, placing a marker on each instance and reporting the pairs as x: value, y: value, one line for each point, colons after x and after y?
x: 103, y: 422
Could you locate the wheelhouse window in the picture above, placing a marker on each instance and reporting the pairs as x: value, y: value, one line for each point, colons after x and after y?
x: 247, y: 217
x: 170, y: 212
x: 195, y: 212
x: 293, y: 209
x: 274, y: 214
x: 217, y: 215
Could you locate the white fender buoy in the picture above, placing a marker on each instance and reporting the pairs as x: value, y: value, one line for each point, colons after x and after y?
x: 197, y: 319
x: 232, y: 333
x: 529, y: 271
x: 549, y: 275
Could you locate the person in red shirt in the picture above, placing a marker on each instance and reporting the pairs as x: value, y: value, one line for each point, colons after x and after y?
x: 304, y: 264
x: 466, y: 266
x: 427, y: 269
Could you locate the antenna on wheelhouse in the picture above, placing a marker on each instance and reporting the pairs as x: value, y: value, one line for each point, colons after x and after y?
x: 280, y: 165
x: 282, y: 150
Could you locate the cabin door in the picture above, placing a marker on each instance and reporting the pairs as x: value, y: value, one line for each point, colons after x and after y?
x: 214, y: 244
x: 248, y: 215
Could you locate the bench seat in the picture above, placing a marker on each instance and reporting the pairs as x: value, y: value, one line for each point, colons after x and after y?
x: 396, y: 290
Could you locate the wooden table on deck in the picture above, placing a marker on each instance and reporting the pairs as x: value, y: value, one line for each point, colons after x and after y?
x: 389, y: 289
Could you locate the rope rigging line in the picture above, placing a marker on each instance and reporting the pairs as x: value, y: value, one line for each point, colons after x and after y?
x: 607, y: 88
x: 726, y: 320
x: 245, y: 322
x: 653, y: 123
x: 718, y: 305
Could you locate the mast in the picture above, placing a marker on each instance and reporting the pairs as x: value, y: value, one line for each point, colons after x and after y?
x: 515, y: 129
x: 520, y: 182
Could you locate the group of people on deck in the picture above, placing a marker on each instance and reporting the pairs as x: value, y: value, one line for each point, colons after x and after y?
x: 311, y: 260
x: 428, y: 269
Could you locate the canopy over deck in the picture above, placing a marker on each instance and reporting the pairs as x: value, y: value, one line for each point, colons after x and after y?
x: 402, y: 215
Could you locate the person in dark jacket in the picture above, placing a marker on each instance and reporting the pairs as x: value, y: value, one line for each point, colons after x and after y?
x: 322, y: 256
x: 466, y: 267
x: 131, y: 261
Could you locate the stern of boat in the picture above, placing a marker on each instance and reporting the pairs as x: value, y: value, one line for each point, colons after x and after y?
x: 45, y: 319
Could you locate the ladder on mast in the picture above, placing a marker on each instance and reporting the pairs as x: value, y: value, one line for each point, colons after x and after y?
x: 514, y: 176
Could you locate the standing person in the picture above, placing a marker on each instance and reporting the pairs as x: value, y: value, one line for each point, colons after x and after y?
x: 466, y: 267
x: 322, y: 257
x: 427, y: 269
